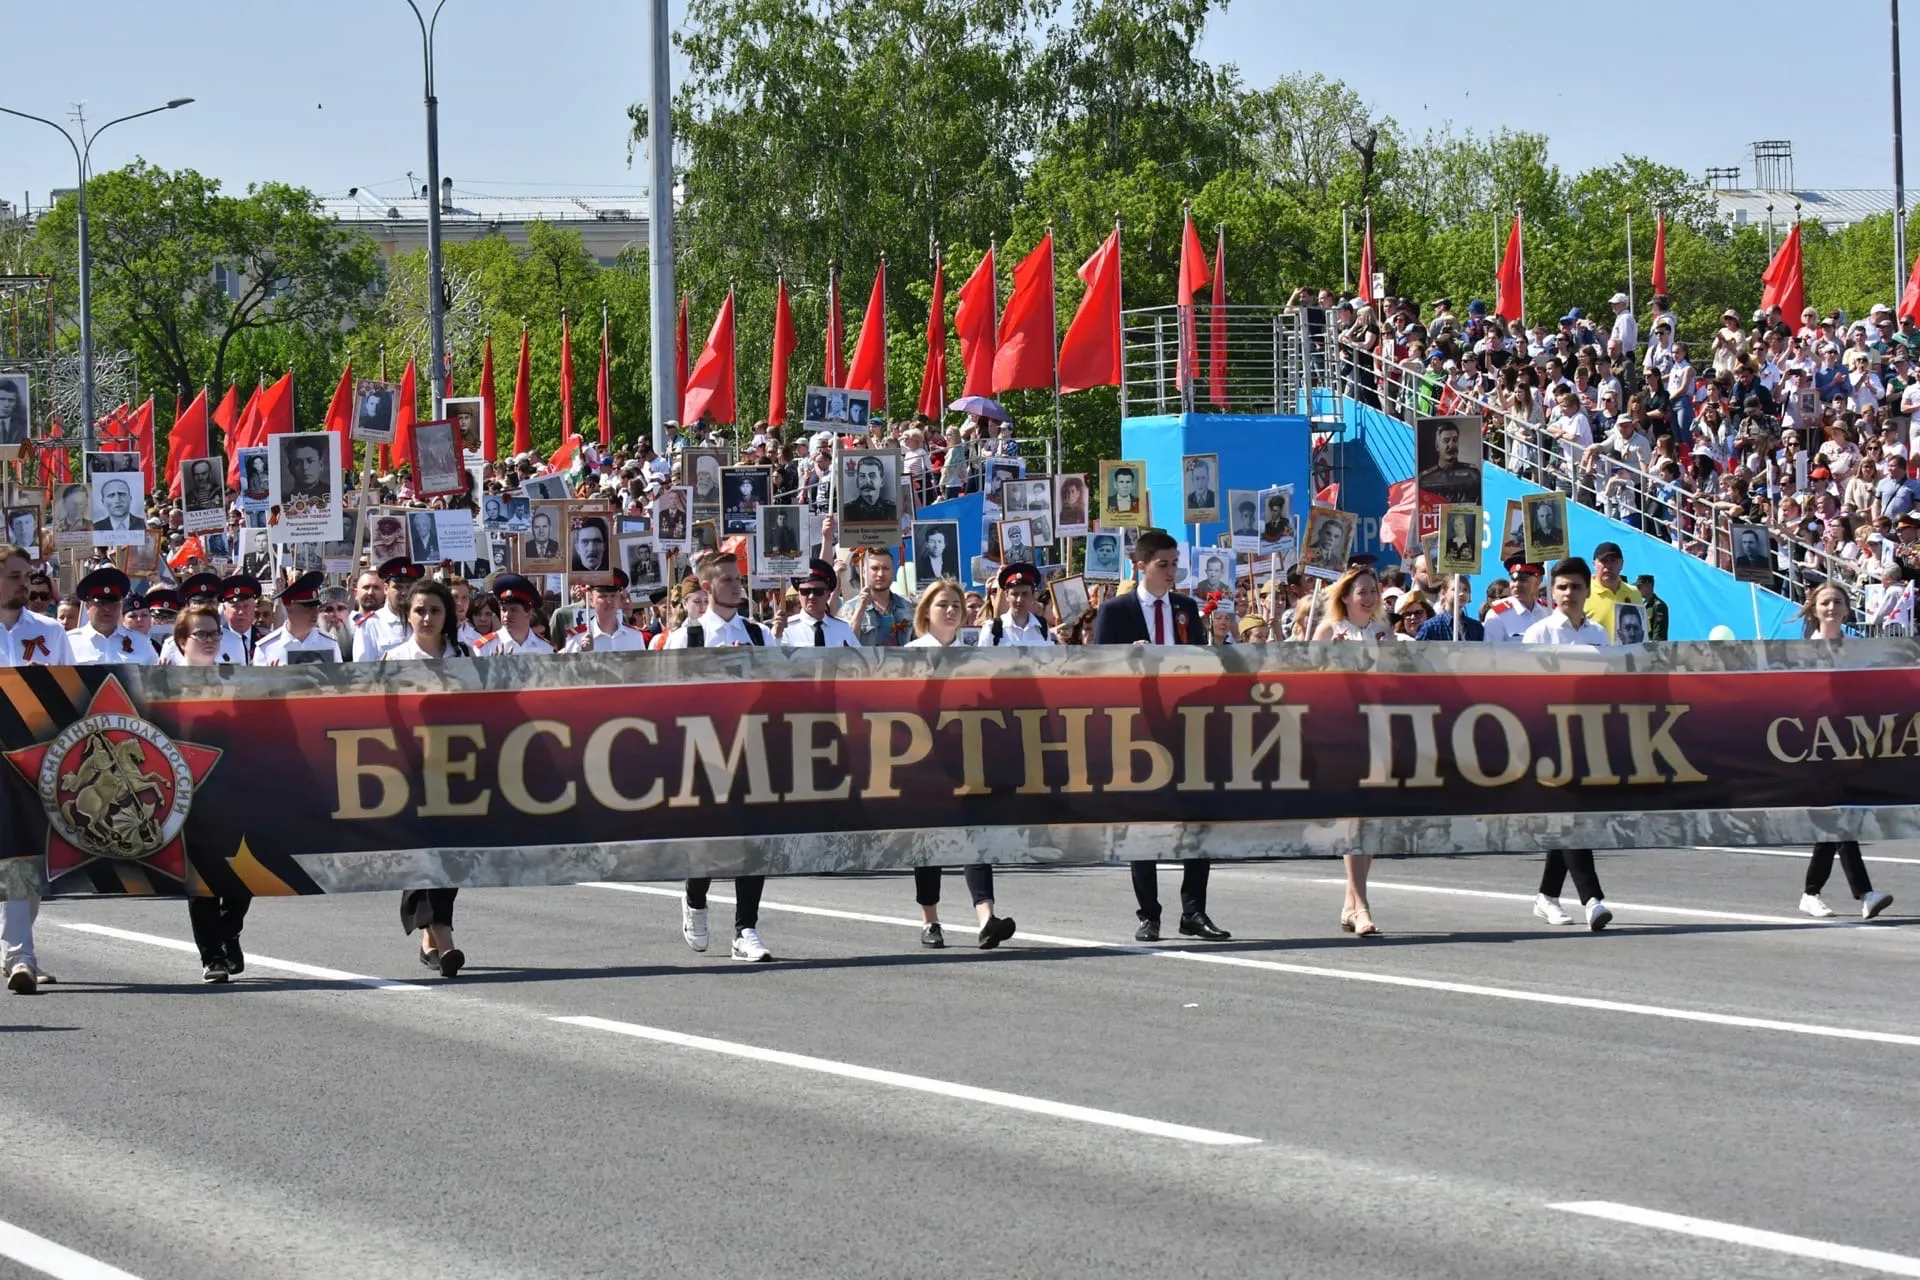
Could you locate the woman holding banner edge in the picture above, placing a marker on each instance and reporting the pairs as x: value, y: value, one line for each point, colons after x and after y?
x: 1353, y: 608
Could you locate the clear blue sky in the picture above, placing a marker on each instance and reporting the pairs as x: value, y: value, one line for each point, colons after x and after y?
x: 533, y: 96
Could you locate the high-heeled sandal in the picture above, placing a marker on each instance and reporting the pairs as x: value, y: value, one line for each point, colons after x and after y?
x: 1346, y: 920
x: 1363, y: 925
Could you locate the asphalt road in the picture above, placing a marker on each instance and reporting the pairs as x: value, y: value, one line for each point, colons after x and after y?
x: 592, y: 1099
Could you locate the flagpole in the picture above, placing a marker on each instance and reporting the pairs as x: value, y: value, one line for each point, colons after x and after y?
x: 1346, y: 275
x: 1630, y: 309
x: 1053, y: 307
x: 662, y: 291
x: 1061, y: 465
x: 1899, y: 170
x: 1519, y: 219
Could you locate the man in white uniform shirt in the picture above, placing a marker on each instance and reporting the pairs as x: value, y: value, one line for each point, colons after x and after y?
x: 239, y: 611
x: 386, y: 628
x: 1019, y: 625
x: 1508, y: 619
x: 300, y: 640
x: 518, y: 599
x: 815, y: 626
x: 26, y: 640
x: 605, y: 628
x: 101, y: 638
x: 1626, y: 329
x: 1569, y: 625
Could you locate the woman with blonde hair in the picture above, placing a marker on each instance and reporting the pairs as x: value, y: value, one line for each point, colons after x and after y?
x: 1826, y: 612
x: 1353, y: 604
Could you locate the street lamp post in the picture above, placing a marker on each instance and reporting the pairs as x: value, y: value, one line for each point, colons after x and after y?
x: 82, y: 155
x: 665, y: 361
x: 436, y: 289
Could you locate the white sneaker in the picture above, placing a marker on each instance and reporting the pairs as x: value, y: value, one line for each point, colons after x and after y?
x: 1811, y: 905
x: 747, y: 946
x: 693, y: 925
x: 1870, y: 906
x: 1548, y: 909
x: 1599, y: 915
x: 20, y: 980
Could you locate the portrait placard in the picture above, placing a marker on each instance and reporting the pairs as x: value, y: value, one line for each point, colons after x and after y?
x: 1016, y: 542
x: 387, y: 536
x: 423, y: 538
x: 541, y: 551
x: 1629, y: 624
x: 1070, y: 600
x: 551, y: 487
x: 744, y: 491
x: 111, y: 461
x: 645, y: 565
x: 589, y: 545
x: 1212, y: 570
x: 867, y: 497
x: 1329, y: 536
x: 457, y: 534
x: 1513, y: 535
x: 1752, y: 553
x: 376, y: 407
x: 1106, y: 556
x: 995, y: 475
x: 437, y: 469
x: 339, y: 555
x: 837, y: 409
x: 1199, y: 481
x: 779, y: 541
x: 23, y: 529
x: 673, y: 516
x: 118, y: 509
x: 1447, y: 467
x: 1070, y: 506
x: 468, y: 414
x: 700, y: 471
x: 936, y: 550
x: 1458, y: 550
x: 506, y: 512
x: 256, y: 480
x: 203, y: 494
x: 304, y: 477
x: 1243, y: 519
x: 1546, y: 522
x: 1276, y: 521
x: 1032, y: 500
x: 16, y: 413
x: 1123, y: 495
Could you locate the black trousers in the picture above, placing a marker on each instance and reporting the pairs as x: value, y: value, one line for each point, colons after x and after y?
x: 1193, y: 887
x: 1852, y: 865
x: 216, y: 922
x: 746, y: 899
x: 422, y: 907
x: 1577, y: 863
x: 926, y: 884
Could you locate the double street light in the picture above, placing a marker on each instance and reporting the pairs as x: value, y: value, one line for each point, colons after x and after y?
x: 82, y: 155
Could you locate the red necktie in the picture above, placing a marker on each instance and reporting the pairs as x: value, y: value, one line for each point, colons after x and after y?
x: 1159, y: 622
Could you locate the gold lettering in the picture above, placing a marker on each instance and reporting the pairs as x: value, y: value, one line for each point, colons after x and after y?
x: 513, y: 767
x: 1426, y: 750
x: 596, y: 763
x: 1466, y: 745
x: 1824, y: 734
x: 1645, y: 743
x: 722, y: 766
x: 973, y: 754
x: 1910, y: 740
x: 806, y: 754
x: 438, y: 768
x: 350, y: 771
x: 1283, y: 742
x: 1126, y: 747
x: 1593, y: 741
x: 1073, y: 746
x: 1193, y: 752
x: 882, y: 759
x: 1873, y: 744
x: 1773, y: 740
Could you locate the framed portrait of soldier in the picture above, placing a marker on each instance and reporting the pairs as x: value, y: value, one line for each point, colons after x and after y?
x: 1033, y: 500
x: 866, y: 495
x: 589, y: 545
x: 542, y: 551
x: 1629, y: 624
x: 1752, y: 553
x: 1070, y: 518
x: 936, y: 550
x: 423, y: 538
x: 744, y: 490
x: 118, y: 509
x: 645, y: 564
x: 1276, y: 521
x: 1212, y: 570
x: 1458, y: 550
x: 706, y: 536
x: 340, y: 555
x: 1448, y: 461
x: 23, y: 529
x: 700, y: 471
x: 1106, y: 556
x: 551, y: 487
x: 1513, y: 533
x: 506, y: 512
x: 304, y: 477
x: 781, y: 541
x: 1123, y: 495
x: 437, y: 471
x: 1545, y: 516
x: 386, y: 536
x: 673, y: 515
x: 1329, y: 539
x: 1070, y: 600
x: 203, y: 495
x: 1199, y: 481
x: 995, y: 475
x: 256, y: 478
x: 142, y: 560
x: 637, y: 525
x: 1016, y: 542
x: 1243, y: 520
x: 16, y: 413
x: 376, y: 406
x: 468, y: 414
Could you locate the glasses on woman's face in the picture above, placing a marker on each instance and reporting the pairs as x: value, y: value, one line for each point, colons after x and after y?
x: 204, y: 637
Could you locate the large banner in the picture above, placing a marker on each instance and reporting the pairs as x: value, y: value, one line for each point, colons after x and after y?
x: 328, y: 778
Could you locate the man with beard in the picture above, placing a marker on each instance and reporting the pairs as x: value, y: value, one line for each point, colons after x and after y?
x: 203, y: 488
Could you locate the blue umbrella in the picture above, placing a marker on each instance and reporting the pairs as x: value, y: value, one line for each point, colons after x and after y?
x: 982, y: 407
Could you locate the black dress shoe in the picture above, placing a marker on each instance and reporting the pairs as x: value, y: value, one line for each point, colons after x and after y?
x: 451, y: 962
x: 1198, y: 926
x: 995, y: 931
x: 236, y: 959
x: 1149, y: 931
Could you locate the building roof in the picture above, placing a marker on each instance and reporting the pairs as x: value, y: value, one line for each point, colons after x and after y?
x: 369, y: 207
x: 1832, y: 207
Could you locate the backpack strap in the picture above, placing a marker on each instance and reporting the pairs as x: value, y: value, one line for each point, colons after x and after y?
x: 754, y: 633
x: 696, y: 636
x: 998, y: 630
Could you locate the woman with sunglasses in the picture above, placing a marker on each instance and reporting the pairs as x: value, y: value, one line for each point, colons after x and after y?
x: 1414, y: 611
x: 936, y: 625
x: 429, y: 610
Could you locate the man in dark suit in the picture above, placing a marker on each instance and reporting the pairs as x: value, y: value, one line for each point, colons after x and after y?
x: 1154, y: 614
x: 117, y: 496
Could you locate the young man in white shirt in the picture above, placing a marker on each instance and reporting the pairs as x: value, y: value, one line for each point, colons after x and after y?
x: 101, y: 639
x: 605, y: 628
x: 300, y: 640
x: 26, y: 640
x: 815, y: 627
x: 518, y: 599
x: 1569, y: 625
x: 1019, y: 625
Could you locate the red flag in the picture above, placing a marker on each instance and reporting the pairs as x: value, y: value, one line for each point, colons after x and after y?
x: 1508, y: 302
x: 1402, y: 498
x: 836, y: 370
x: 710, y: 387
x: 933, y: 378
x: 403, y: 418
x: 563, y: 457
x: 523, y: 399
x: 1659, y: 255
x: 976, y: 323
x: 489, y: 412
x: 241, y: 436
x: 228, y: 412
x: 1194, y: 277
x: 1090, y: 355
x: 869, y: 370
x: 1217, y: 326
x: 340, y: 412
x: 1027, y: 328
x: 566, y: 377
x: 1910, y: 296
x: 603, y: 388
x: 680, y: 345
x: 140, y: 435
x: 190, y: 550
x: 1784, y: 284
x: 1366, y: 263
x: 58, y: 465
x: 276, y: 409
x: 1329, y: 496
x: 187, y: 440
x: 784, y: 341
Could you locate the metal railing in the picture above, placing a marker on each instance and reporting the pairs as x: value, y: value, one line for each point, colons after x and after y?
x: 1202, y: 359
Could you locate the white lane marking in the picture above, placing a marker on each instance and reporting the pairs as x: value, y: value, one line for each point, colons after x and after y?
x: 920, y: 1084
x: 1892, y: 1264
x: 1353, y: 975
x: 253, y: 961
x: 48, y: 1258
x: 1803, y: 854
x: 1742, y: 917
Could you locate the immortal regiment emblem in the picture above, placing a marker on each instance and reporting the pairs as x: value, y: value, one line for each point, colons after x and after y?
x: 114, y: 786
